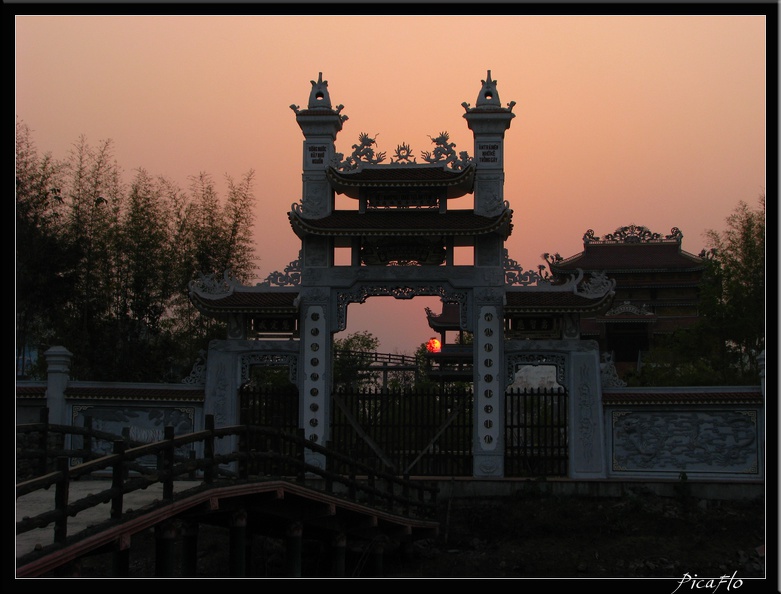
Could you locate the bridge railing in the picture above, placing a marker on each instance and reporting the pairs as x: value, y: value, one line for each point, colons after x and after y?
x: 363, y: 484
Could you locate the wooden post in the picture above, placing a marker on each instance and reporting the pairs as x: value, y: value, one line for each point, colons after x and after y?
x: 117, y: 479
x: 377, y: 553
x: 168, y: 464
x: 190, y: 549
x: 165, y: 554
x: 208, y: 451
x: 338, y: 554
x: 43, y: 461
x: 293, y: 543
x: 238, y: 544
x: 61, y: 501
x: 120, y: 561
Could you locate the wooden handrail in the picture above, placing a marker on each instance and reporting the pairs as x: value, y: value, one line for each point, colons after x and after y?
x: 411, y: 498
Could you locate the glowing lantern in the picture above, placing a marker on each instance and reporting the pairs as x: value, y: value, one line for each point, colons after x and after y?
x: 433, y: 346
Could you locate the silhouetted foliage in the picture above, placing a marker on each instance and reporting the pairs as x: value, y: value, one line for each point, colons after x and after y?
x: 103, y: 268
x: 723, y: 347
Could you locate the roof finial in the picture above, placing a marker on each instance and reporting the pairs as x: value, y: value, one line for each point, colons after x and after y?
x: 318, y: 97
x: 488, y: 94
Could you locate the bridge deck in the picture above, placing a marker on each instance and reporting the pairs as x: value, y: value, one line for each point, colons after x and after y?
x: 279, y: 500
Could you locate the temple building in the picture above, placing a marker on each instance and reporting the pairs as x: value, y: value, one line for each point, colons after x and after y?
x: 657, y: 289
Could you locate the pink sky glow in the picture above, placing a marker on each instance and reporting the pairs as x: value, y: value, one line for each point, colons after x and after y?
x: 656, y: 121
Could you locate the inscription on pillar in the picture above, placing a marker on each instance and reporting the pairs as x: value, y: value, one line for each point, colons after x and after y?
x: 489, y: 377
x: 314, y: 336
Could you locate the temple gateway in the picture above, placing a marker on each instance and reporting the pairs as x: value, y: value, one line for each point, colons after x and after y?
x: 400, y: 241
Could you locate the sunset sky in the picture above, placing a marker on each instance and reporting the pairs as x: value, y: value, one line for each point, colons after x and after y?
x: 656, y: 121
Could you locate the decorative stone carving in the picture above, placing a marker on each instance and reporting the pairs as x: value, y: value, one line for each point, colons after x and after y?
x: 519, y: 360
x: 290, y: 361
x: 198, y: 372
x: 361, y: 293
x: 403, y: 154
x: 290, y: 277
x: 209, y: 284
x: 608, y: 373
x: 597, y: 285
x: 627, y: 308
x: 633, y: 234
x: 514, y: 274
x: 445, y: 153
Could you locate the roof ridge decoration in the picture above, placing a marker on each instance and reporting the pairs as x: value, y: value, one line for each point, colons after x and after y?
x: 514, y: 273
x: 634, y: 234
x: 363, y: 153
x: 290, y: 277
x: 597, y: 285
x: 209, y: 284
x: 627, y: 308
x: 608, y: 373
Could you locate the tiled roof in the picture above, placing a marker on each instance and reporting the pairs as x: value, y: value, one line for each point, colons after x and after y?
x: 631, y: 257
x: 751, y: 396
x: 457, y: 183
x: 32, y: 391
x: 248, y: 301
x: 135, y: 393
x: 414, y: 222
x: 553, y: 301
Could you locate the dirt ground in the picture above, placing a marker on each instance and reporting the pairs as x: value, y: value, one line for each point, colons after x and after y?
x: 529, y: 536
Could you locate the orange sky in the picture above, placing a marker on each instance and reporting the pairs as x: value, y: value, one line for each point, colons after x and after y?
x: 656, y: 121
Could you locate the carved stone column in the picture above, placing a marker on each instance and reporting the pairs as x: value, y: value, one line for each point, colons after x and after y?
x: 488, y: 439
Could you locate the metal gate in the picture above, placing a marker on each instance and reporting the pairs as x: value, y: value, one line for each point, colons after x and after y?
x: 268, y: 406
x: 535, y: 433
x: 405, y: 432
x: 425, y: 432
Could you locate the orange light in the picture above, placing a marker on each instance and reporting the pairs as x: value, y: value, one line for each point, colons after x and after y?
x: 433, y: 346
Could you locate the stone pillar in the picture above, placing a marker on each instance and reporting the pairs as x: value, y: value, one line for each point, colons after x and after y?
x: 488, y: 121
x: 320, y: 124
x: 221, y: 390
x: 58, y: 360
x: 587, y: 456
x: 315, y: 368
x: 489, y: 382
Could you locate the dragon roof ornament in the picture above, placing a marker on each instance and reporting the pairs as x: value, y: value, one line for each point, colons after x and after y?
x: 364, y: 153
x: 210, y: 284
x: 633, y: 234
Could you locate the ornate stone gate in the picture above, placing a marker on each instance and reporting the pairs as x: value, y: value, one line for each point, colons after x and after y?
x: 401, y: 242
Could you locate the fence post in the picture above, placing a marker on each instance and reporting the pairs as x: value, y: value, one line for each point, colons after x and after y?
x: 299, y: 455
x: 87, y: 439
x: 43, y: 461
x: 208, y: 450
x: 61, y: 501
x: 168, y: 463
x: 117, y: 479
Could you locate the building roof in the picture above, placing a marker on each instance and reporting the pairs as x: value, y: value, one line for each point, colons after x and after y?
x: 542, y: 301
x: 404, y: 223
x: 457, y: 183
x: 245, y: 300
x: 751, y: 395
x: 630, y: 249
x: 152, y: 392
x: 631, y: 258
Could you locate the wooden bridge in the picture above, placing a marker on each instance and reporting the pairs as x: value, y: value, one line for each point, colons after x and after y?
x: 73, y: 502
